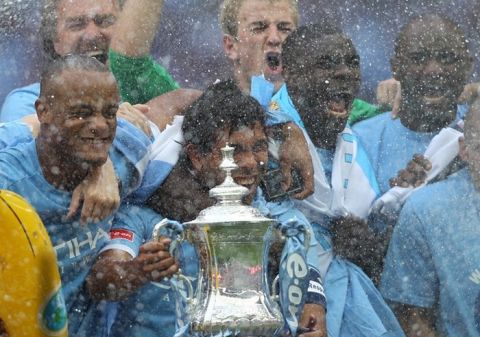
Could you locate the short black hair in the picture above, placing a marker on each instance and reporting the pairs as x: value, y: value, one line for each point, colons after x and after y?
x: 297, y: 44
x: 429, y: 20
x: 221, y: 105
x: 69, y: 62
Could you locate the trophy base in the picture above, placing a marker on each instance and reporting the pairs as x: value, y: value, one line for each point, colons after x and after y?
x: 244, y: 314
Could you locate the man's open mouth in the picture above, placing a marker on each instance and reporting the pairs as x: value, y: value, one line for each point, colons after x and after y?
x: 247, y: 181
x: 96, y: 141
x: 434, y: 94
x: 100, y: 55
x: 339, y: 103
x: 274, y: 62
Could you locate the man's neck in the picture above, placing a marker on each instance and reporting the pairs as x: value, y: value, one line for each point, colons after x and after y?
x: 414, y: 119
x: 244, y: 83
x: 61, y: 172
x: 314, y: 129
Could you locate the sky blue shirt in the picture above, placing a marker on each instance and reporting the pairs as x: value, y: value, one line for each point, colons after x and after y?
x: 434, y: 256
x: 76, y: 245
x: 150, y: 312
x: 389, y: 145
x: 20, y: 102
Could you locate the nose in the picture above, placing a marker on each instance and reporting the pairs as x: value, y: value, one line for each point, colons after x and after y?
x: 342, y: 71
x: 246, y: 160
x: 98, y: 125
x: 274, y: 37
x: 91, y: 31
x: 432, y: 67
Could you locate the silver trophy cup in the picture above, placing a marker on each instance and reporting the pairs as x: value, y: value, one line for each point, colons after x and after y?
x: 231, y: 296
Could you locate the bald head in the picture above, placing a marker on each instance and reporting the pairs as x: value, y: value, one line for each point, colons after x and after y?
x: 52, y: 71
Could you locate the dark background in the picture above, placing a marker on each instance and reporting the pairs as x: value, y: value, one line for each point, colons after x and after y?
x: 188, y: 39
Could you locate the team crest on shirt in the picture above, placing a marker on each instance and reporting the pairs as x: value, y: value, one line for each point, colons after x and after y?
x: 274, y: 106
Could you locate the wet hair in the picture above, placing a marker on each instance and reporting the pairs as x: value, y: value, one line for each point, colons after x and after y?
x: 429, y: 21
x: 69, y: 62
x: 299, y: 43
x: 221, y: 106
x: 229, y: 14
x: 48, y: 26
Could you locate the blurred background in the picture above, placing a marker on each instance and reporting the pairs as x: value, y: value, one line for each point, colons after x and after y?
x: 188, y: 42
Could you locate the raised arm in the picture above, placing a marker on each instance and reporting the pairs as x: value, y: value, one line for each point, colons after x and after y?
x: 140, y: 78
x: 136, y: 27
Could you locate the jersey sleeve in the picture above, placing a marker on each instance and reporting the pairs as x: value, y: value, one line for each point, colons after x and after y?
x: 13, y: 133
x: 409, y: 275
x: 140, y: 78
x: 19, y: 103
x: 132, y: 226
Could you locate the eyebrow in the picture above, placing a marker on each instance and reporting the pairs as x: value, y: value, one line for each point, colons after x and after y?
x: 258, y: 23
x: 75, y: 19
x: 81, y: 106
x: 285, y: 23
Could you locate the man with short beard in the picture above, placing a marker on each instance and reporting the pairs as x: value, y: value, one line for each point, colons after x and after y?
x: 322, y: 73
x: 433, y: 63
x: 431, y: 273
x: 78, y: 133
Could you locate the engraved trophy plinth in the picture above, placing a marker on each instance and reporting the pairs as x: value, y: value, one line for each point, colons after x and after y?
x: 230, y: 298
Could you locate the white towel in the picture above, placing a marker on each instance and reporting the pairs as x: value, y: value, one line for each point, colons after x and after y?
x: 442, y: 149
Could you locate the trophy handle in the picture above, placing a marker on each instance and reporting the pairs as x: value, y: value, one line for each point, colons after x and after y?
x: 173, y: 250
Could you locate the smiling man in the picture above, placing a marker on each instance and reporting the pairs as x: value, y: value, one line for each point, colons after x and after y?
x: 322, y: 73
x: 433, y: 63
x: 68, y: 27
x: 78, y: 133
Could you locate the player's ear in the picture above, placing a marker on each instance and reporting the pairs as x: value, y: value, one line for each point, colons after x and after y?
x: 230, y: 47
x: 43, y: 110
x: 196, y: 158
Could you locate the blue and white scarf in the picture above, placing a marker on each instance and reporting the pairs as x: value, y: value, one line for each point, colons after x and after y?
x: 353, y: 187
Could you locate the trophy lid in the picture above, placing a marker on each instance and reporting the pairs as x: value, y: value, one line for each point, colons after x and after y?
x: 229, y: 208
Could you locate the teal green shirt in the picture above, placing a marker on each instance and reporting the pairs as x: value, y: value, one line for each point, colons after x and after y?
x: 140, y: 78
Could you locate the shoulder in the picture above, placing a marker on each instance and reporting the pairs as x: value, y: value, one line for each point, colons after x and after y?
x: 137, y: 216
x: 369, y: 132
x: 13, y: 133
x: 438, y: 201
x: 17, y: 163
x: 20, y: 102
x: 372, y: 124
x: 31, y: 89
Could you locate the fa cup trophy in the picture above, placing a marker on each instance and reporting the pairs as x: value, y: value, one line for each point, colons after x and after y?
x: 231, y: 296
